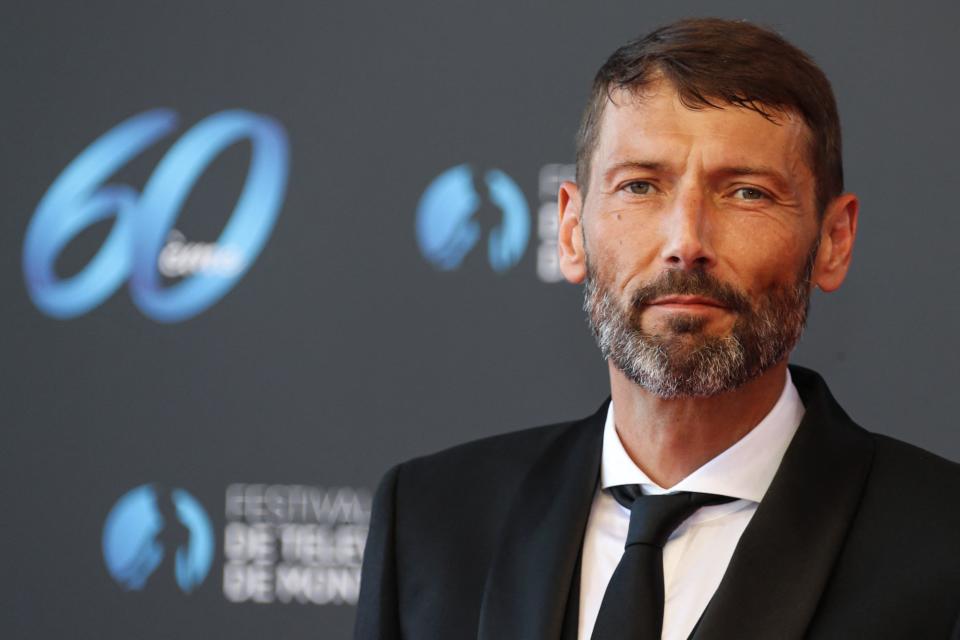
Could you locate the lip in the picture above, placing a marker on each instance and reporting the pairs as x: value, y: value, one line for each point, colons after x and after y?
x: 686, y: 301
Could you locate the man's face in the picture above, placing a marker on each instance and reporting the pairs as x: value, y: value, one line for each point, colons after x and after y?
x: 700, y: 232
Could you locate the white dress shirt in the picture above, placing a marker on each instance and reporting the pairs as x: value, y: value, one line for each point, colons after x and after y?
x: 699, y: 550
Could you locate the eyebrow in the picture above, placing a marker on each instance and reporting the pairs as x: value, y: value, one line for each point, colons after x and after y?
x: 649, y: 165
x: 778, y: 179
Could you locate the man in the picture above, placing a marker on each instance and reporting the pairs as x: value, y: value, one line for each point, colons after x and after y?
x: 720, y: 494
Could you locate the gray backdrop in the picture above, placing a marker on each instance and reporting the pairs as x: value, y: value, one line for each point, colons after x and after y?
x: 343, y: 349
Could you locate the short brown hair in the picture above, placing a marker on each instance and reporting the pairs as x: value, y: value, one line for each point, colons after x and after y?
x: 713, y: 63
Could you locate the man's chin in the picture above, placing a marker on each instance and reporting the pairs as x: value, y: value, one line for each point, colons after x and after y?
x: 685, y: 365
x: 683, y: 382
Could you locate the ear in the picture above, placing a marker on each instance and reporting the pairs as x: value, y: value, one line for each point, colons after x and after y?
x: 837, y: 235
x: 573, y: 258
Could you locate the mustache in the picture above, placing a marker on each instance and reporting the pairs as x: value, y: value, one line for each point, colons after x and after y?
x: 690, y: 283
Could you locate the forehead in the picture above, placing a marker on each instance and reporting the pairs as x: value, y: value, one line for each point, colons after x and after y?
x: 654, y: 125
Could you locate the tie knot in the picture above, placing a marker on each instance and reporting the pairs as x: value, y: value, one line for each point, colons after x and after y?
x: 654, y: 517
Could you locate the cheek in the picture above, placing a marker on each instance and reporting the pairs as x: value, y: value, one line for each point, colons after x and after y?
x: 762, y: 253
x: 621, y: 244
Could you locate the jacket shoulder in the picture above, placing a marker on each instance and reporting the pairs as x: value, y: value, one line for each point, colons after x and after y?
x: 480, y: 477
x: 916, y: 468
x: 483, y: 474
x: 908, y: 496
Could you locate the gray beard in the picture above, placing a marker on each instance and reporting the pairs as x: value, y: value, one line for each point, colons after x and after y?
x: 685, y: 362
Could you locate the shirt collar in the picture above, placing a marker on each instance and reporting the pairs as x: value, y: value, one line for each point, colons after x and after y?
x: 744, y: 470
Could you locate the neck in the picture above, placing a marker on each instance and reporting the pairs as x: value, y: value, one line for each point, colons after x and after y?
x: 669, y: 439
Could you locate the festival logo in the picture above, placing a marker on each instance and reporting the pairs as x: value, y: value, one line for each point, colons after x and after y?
x: 460, y: 208
x: 143, y: 245
x: 158, y: 539
x: 282, y: 544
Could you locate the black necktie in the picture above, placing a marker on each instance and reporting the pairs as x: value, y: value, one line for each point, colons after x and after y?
x: 632, y: 607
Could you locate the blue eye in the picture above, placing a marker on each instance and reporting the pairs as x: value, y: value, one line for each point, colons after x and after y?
x: 749, y: 193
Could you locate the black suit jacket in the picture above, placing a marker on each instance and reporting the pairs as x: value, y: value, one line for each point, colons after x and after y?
x: 858, y: 536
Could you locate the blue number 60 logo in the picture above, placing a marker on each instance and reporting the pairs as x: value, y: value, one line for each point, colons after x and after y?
x: 79, y: 198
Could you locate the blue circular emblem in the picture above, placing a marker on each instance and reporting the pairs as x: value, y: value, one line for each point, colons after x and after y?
x: 448, y: 228
x: 149, y: 531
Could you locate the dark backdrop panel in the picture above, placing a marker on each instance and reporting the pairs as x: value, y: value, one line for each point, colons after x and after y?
x: 343, y: 349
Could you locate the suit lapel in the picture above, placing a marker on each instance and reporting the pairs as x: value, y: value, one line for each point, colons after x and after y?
x: 784, y: 558
x: 529, y: 581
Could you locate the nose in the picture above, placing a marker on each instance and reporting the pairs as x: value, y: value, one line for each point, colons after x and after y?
x: 685, y: 232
